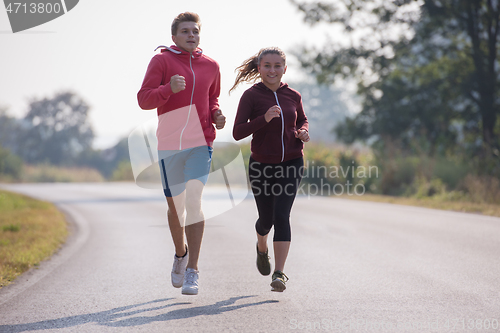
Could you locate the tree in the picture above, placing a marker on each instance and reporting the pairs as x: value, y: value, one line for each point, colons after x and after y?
x: 324, y: 106
x: 428, y: 69
x: 55, y: 130
x: 107, y: 160
x: 9, y: 130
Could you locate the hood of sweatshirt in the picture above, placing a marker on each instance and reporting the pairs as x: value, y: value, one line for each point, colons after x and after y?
x: 263, y: 87
x: 176, y: 50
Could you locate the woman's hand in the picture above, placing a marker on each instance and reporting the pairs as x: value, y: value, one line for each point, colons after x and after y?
x: 273, y: 112
x: 302, y: 135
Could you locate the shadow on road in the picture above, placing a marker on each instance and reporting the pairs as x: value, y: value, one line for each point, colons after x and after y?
x: 126, y: 316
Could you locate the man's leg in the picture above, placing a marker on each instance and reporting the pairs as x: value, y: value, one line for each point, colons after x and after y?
x: 171, y: 170
x: 196, y: 170
x: 195, y: 221
x: 176, y: 221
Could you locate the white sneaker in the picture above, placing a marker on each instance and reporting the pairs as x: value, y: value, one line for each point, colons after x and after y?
x: 190, y: 286
x: 178, y: 269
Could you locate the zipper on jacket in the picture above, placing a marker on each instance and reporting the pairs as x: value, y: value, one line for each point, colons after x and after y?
x: 282, y: 128
x: 191, y: 102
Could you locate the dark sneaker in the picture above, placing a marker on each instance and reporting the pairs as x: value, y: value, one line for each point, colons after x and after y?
x: 279, y: 281
x: 263, y: 264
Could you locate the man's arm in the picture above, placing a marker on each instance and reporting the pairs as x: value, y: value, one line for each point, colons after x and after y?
x: 153, y: 92
x: 217, y: 117
x: 213, y: 95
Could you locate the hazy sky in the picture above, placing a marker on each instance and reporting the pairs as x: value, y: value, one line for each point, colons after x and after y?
x: 101, y: 49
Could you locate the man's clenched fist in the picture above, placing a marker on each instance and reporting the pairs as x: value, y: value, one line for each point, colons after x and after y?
x: 177, y: 83
x: 219, y: 119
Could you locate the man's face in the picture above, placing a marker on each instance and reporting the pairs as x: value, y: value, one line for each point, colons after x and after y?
x: 188, y: 36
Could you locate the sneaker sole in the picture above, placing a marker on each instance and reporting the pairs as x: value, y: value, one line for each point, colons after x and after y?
x: 278, y: 286
x: 178, y: 285
x: 189, y: 292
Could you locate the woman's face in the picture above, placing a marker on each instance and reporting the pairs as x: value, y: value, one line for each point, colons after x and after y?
x: 271, y: 69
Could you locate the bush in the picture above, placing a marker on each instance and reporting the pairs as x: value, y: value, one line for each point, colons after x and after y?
x: 339, y: 168
x: 424, y: 188
x: 451, y: 171
x: 397, y: 174
x: 11, y: 166
x: 442, y: 178
x: 411, y: 175
x: 482, y: 189
x: 123, y: 172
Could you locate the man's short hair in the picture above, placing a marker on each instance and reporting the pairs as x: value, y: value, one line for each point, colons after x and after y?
x: 185, y: 17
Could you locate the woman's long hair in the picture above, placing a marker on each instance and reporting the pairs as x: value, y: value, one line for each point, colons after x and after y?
x: 249, y: 70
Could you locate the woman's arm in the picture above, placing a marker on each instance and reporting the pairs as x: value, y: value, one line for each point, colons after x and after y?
x: 242, y: 126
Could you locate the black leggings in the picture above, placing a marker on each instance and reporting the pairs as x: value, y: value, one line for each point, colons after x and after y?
x: 274, y: 187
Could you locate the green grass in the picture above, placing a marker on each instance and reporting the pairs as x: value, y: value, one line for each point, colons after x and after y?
x: 30, y: 231
x: 11, y: 228
x: 435, y: 203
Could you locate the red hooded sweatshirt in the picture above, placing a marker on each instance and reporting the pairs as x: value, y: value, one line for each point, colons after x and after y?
x: 273, y: 141
x: 185, y: 119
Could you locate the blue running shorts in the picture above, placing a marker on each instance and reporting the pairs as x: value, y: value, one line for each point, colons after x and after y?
x: 179, y: 166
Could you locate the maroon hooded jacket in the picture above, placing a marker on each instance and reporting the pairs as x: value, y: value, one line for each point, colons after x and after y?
x: 273, y: 141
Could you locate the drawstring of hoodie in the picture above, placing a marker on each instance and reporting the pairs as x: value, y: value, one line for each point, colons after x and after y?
x: 190, y: 103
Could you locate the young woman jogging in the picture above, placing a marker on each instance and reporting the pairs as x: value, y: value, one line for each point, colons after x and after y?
x: 272, y: 113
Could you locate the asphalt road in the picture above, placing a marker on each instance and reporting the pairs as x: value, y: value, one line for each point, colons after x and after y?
x: 353, y: 267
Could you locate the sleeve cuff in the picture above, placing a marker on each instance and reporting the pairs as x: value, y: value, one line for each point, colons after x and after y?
x: 166, y: 91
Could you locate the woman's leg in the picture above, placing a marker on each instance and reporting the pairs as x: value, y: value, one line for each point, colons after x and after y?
x: 283, y: 205
x: 264, y: 201
x: 262, y: 243
x: 280, y: 255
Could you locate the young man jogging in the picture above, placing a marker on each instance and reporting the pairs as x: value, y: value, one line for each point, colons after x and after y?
x: 183, y: 85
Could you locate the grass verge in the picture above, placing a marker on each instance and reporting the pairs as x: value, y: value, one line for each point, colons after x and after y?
x: 457, y: 206
x: 30, y: 231
x: 44, y: 173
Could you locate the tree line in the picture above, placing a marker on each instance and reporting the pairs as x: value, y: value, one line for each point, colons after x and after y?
x: 427, y: 74
x: 55, y: 131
